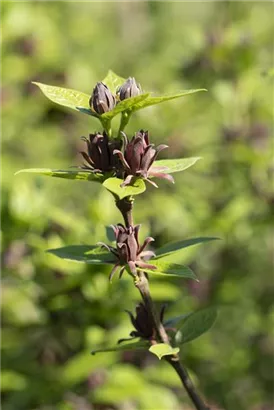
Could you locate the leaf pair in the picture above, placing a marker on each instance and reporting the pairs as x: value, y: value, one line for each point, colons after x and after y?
x: 79, y: 101
x: 113, y: 184
x: 97, y: 255
x: 193, y: 326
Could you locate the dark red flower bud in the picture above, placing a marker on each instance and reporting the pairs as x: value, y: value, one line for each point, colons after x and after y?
x: 143, y: 323
x: 129, y: 89
x: 128, y: 250
x: 99, y: 155
x: 102, y: 100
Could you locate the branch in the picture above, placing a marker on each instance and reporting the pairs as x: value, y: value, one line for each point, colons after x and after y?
x: 125, y: 206
x: 143, y: 286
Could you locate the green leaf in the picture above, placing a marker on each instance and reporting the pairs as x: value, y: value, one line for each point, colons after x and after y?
x: 169, y: 248
x: 68, y: 98
x: 157, y: 100
x: 113, y: 185
x: 175, y: 165
x: 196, y: 324
x: 84, y: 253
x: 12, y: 381
x: 163, y: 349
x: 125, y: 105
x: 173, y: 321
x: 66, y: 174
x: 171, y: 269
x: 113, y: 81
x: 124, y: 346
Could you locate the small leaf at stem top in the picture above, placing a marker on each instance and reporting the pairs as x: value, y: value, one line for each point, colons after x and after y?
x: 163, y: 349
x: 136, y: 187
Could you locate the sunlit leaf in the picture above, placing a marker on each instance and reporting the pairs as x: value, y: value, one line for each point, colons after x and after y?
x: 170, y: 269
x: 65, y: 174
x: 113, y: 185
x: 170, y: 248
x: 175, y: 165
x: 157, y: 100
x: 84, y: 253
x: 66, y: 97
x: 196, y: 324
x: 113, y: 81
x: 124, y: 105
x: 124, y: 346
x: 163, y: 349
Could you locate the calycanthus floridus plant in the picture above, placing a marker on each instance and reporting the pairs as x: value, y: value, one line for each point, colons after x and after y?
x: 124, y: 164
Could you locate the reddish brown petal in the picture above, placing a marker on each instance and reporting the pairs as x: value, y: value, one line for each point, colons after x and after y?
x: 132, y: 268
x: 127, y: 181
x: 146, y: 242
x: 161, y: 175
x: 114, y: 269
x: 145, y: 265
x: 122, y: 159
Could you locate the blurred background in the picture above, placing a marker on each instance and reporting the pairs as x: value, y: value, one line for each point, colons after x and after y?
x: 54, y: 312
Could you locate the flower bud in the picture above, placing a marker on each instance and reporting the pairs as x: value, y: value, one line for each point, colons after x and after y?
x: 129, y: 89
x: 102, y: 99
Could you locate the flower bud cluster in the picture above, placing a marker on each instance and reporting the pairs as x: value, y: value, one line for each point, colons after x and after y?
x: 102, y: 100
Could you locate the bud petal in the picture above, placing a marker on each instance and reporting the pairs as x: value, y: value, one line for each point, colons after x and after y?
x: 129, y: 89
x: 102, y: 100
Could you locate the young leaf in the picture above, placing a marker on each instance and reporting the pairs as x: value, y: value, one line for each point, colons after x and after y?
x: 195, y: 325
x: 173, y: 321
x: 113, y: 81
x: 157, y: 100
x: 68, y: 98
x: 124, y: 105
x: 113, y: 185
x: 170, y: 269
x: 175, y: 165
x: 141, y: 344
x: 65, y: 174
x: 163, y: 349
x: 84, y: 253
x: 169, y: 248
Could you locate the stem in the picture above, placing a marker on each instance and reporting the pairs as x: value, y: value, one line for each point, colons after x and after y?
x: 125, y: 206
x: 143, y: 287
x: 124, y: 121
x: 188, y: 385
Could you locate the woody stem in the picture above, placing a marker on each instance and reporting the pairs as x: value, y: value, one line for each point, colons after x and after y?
x: 141, y: 282
x: 125, y: 206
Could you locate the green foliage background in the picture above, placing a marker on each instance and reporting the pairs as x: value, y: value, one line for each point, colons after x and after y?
x: 54, y: 312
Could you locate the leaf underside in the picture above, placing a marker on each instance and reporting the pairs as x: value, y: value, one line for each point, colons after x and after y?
x: 170, y: 269
x: 125, y: 346
x: 175, y: 165
x: 65, y: 174
x: 84, y: 253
